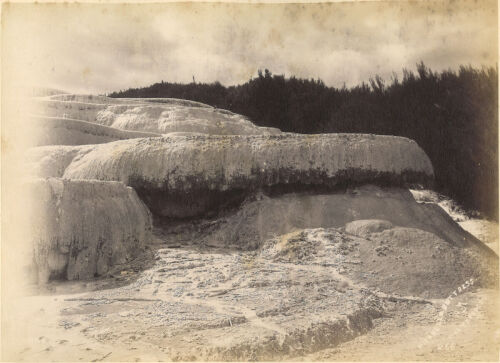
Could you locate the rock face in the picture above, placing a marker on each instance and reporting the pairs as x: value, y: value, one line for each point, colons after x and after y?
x: 64, y: 131
x: 185, y: 176
x: 159, y: 116
x: 81, y: 228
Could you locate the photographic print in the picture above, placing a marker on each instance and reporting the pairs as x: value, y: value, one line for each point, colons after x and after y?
x: 227, y: 181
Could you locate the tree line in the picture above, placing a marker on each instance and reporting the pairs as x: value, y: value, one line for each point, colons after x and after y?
x: 452, y: 115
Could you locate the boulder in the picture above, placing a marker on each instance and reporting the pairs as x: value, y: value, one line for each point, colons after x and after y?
x: 82, y: 228
x: 185, y: 176
x: 365, y: 227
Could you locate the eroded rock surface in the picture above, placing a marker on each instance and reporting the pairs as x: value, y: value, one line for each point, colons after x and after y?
x: 81, y: 228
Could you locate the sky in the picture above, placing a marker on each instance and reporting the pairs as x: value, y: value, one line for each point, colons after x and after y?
x: 100, y: 48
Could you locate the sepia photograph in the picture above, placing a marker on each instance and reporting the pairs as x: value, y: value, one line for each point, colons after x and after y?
x: 249, y: 181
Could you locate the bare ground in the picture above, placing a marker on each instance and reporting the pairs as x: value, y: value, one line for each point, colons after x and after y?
x: 284, y: 302
x: 468, y: 331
